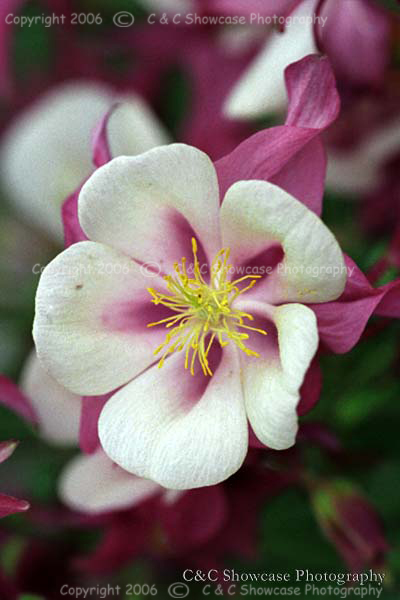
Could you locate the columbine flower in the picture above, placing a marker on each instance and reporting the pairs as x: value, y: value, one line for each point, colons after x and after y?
x: 189, y: 350
x: 98, y: 301
x: 359, y: 54
x: 46, y: 152
x: 95, y: 312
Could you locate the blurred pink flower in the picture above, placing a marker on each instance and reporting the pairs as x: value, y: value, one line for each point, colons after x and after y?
x: 209, y: 67
x: 354, y: 35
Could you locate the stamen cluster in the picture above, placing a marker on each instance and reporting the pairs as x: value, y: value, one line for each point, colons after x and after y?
x: 204, y: 311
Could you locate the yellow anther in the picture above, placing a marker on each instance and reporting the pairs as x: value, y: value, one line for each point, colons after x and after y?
x: 202, y: 309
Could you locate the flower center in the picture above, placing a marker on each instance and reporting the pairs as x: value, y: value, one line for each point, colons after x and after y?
x: 204, y: 311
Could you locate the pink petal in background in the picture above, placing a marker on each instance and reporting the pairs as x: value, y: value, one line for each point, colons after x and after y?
x: 356, y: 39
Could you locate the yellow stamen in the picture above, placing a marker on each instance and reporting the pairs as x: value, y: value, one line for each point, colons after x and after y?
x: 203, y: 309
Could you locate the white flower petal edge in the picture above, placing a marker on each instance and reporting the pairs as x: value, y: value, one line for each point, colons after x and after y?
x: 94, y: 484
x: 77, y: 293
x: 154, y: 427
x: 258, y: 214
x: 46, y: 153
x: 271, y: 388
x: 261, y: 89
x: 133, y: 128
x: 58, y: 409
x: 147, y: 194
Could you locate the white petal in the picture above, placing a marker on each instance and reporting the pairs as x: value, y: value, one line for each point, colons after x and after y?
x: 157, y: 426
x: 90, y: 325
x: 92, y: 483
x: 261, y: 89
x: 58, y: 409
x: 133, y: 128
x: 255, y: 215
x: 46, y: 153
x: 136, y: 204
x: 271, y: 384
